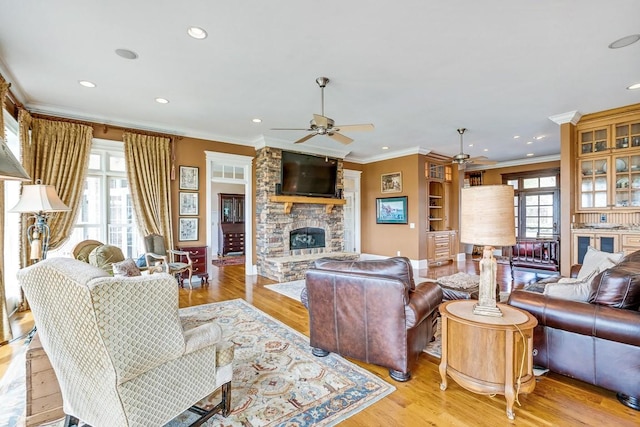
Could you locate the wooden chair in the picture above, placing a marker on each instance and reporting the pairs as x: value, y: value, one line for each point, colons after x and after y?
x: 171, y: 261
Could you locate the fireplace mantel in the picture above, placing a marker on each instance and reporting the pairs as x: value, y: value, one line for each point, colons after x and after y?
x: 290, y: 200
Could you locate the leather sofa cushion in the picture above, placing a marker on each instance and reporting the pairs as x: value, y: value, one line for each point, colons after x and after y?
x: 618, y: 286
x: 395, y: 267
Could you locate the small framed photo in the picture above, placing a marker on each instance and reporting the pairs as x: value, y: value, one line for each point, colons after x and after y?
x: 391, y: 182
x: 189, y: 178
x: 188, y: 229
x: 391, y: 210
x: 188, y: 203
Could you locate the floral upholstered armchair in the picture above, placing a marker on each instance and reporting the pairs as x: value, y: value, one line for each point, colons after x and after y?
x: 118, y: 347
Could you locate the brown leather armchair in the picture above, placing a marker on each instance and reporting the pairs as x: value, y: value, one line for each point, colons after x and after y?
x: 371, y: 311
x: 596, y: 341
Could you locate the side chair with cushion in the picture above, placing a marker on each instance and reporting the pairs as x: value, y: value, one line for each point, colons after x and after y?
x: 171, y: 261
x: 118, y: 347
x: 371, y: 311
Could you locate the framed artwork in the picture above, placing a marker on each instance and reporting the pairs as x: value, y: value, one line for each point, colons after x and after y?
x: 188, y: 178
x: 391, y: 210
x: 391, y: 182
x: 188, y: 229
x: 188, y: 203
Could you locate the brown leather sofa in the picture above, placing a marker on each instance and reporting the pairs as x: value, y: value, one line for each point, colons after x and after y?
x: 597, y: 341
x: 371, y: 311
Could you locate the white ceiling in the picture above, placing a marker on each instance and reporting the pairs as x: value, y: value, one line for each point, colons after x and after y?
x: 417, y: 69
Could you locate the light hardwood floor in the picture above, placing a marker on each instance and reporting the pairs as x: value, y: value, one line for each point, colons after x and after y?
x: 556, y: 400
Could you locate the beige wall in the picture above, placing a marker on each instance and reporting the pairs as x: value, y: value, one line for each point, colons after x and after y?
x: 388, y: 239
x: 494, y: 176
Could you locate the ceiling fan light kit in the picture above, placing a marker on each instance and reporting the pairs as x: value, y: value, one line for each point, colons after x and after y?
x: 322, y: 125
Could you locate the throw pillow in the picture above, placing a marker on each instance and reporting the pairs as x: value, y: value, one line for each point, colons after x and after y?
x: 126, y: 268
x: 597, y: 261
x: 576, y: 291
x: 104, y: 256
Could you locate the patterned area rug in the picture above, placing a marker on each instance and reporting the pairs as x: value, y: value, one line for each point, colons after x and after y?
x: 289, y: 289
x: 228, y: 260
x: 276, y: 379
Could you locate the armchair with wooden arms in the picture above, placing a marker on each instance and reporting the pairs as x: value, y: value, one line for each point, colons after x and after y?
x: 170, y: 261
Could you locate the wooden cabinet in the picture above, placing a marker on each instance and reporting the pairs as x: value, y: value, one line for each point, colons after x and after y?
x: 442, y: 246
x: 609, y: 165
x: 438, y: 182
x: 231, y: 233
x: 198, y: 256
x: 231, y: 208
x: 607, y: 241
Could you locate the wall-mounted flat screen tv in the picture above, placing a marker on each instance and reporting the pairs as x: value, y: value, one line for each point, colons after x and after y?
x: 307, y: 175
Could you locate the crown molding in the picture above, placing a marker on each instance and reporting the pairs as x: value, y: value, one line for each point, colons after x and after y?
x: 572, y: 117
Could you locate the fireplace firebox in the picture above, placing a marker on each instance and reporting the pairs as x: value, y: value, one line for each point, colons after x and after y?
x: 306, y: 238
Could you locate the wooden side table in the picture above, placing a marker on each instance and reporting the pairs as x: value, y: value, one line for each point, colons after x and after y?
x: 488, y: 355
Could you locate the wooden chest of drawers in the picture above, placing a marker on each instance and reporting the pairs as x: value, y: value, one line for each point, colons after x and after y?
x: 43, y: 397
x: 198, y: 255
x: 231, y: 239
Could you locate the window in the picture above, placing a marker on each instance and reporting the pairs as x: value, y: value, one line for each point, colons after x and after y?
x: 535, y: 200
x: 106, y: 210
x: 11, y: 220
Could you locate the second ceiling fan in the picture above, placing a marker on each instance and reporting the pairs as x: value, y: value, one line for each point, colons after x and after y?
x: 462, y: 159
x: 322, y: 125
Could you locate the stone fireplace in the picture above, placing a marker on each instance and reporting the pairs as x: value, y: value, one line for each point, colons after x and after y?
x: 287, y: 243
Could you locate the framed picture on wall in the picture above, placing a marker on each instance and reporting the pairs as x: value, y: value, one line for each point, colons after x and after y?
x: 189, y: 178
x: 188, y: 203
x: 391, y: 210
x: 391, y: 182
x: 188, y: 229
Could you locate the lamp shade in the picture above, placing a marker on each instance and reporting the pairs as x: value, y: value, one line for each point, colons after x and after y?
x: 10, y: 167
x: 39, y: 198
x: 487, y: 215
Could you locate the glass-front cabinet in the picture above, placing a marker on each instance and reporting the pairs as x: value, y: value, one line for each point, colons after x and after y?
x: 593, y: 183
x: 593, y: 141
x: 609, y: 167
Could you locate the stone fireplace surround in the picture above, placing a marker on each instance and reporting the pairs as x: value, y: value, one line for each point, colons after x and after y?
x: 275, y: 259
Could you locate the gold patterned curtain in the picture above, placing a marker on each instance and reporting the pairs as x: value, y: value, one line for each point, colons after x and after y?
x: 5, y: 327
x: 148, y: 162
x: 57, y: 153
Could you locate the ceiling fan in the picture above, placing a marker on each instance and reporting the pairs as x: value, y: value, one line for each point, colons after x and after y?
x: 322, y: 125
x: 463, y: 159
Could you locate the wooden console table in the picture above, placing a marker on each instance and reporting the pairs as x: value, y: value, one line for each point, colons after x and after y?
x: 488, y: 355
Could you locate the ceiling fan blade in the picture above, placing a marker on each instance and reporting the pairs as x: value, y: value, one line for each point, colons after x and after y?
x: 358, y: 128
x: 290, y: 129
x: 481, y: 160
x: 340, y: 138
x: 305, y: 138
x: 321, y: 121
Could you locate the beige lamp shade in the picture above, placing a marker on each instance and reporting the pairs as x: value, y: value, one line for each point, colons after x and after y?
x: 10, y: 167
x: 39, y: 198
x: 487, y: 215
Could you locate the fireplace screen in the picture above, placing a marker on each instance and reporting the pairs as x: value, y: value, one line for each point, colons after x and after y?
x: 306, y: 238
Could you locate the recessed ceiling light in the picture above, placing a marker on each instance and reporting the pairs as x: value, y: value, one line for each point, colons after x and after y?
x: 385, y: 148
x: 86, y: 83
x: 197, y: 33
x: 529, y: 154
x: 162, y: 101
x: 470, y: 145
x: 516, y: 136
x: 529, y: 142
x: 625, y: 41
x: 256, y: 120
x: 126, y: 54
x: 486, y: 149
x: 538, y: 137
x: 635, y: 86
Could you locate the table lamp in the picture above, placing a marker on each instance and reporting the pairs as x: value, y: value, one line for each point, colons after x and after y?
x: 487, y: 219
x: 39, y: 199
